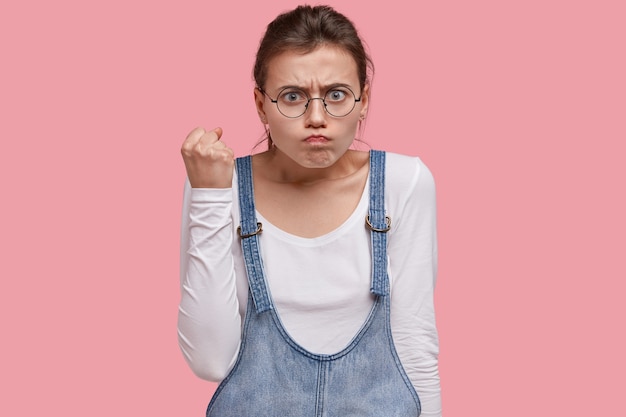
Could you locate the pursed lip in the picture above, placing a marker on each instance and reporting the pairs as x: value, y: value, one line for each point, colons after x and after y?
x: 316, y: 139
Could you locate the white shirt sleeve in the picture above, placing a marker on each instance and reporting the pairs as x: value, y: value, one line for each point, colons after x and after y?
x: 412, y: 251
x: 209, y: 321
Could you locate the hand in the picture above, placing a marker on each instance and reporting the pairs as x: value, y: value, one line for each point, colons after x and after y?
x: 209, y: 163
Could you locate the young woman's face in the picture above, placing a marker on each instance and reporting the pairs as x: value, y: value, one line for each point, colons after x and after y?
x: 315, y: 139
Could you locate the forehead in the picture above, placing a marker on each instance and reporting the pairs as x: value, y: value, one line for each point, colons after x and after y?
x: 321, y: 67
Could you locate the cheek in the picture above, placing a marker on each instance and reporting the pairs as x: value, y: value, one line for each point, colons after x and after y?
x: 351, y: 126
x: 280, y: 128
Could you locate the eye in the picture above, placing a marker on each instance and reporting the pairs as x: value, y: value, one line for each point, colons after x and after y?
x: 292, y: 96
x: 336, y: 95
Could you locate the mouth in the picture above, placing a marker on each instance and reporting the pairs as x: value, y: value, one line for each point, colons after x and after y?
x: 317, y: 139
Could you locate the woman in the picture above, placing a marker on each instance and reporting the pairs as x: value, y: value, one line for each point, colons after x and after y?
x: 308, y: 270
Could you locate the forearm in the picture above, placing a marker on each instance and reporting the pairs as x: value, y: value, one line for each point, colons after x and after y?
x: 209, y: 324
x: 415, y: 336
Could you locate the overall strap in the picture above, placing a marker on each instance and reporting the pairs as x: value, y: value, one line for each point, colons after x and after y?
x: 248, y: 232
x: 378, y: 223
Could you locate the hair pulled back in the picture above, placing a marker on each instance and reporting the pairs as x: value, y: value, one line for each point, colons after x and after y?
x: 306, y: 28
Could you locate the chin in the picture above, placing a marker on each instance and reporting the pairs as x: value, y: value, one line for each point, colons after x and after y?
x: 322, y: 159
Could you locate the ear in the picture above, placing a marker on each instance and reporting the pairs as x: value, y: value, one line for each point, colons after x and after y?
x: 259, y: 101
x: 365, y: 101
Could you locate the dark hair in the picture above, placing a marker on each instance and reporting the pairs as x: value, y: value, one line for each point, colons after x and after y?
x: 306, y: 28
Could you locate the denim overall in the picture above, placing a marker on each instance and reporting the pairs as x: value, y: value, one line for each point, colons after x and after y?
x: 275, y: 377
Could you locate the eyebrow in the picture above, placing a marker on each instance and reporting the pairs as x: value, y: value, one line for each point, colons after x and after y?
x: 323, y: 88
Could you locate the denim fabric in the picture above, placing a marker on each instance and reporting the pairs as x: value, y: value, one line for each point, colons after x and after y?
x: 275, y: 377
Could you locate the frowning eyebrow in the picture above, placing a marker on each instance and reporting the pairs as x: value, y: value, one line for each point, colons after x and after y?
x: 324, y: 88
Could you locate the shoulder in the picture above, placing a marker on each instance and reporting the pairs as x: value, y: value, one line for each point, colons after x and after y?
x: 405, y: 173
x: 409, y: 193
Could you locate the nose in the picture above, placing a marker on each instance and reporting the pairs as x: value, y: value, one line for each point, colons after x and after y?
x: 316, y: 113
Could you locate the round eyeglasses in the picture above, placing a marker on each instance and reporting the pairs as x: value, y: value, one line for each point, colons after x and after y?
x: 293, y: 102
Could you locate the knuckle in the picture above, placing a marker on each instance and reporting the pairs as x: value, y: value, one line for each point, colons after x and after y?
x: 198, y: 131
x: 185, y: 149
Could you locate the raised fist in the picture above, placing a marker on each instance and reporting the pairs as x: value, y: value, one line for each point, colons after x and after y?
x: 209, y: 162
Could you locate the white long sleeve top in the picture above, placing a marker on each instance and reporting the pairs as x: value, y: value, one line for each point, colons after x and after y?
x: 319, y: 286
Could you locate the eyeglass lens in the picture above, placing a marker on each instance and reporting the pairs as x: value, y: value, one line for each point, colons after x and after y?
x: 338, y: 101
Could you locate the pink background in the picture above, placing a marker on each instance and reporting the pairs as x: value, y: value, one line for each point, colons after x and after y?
x: 518, y: 107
